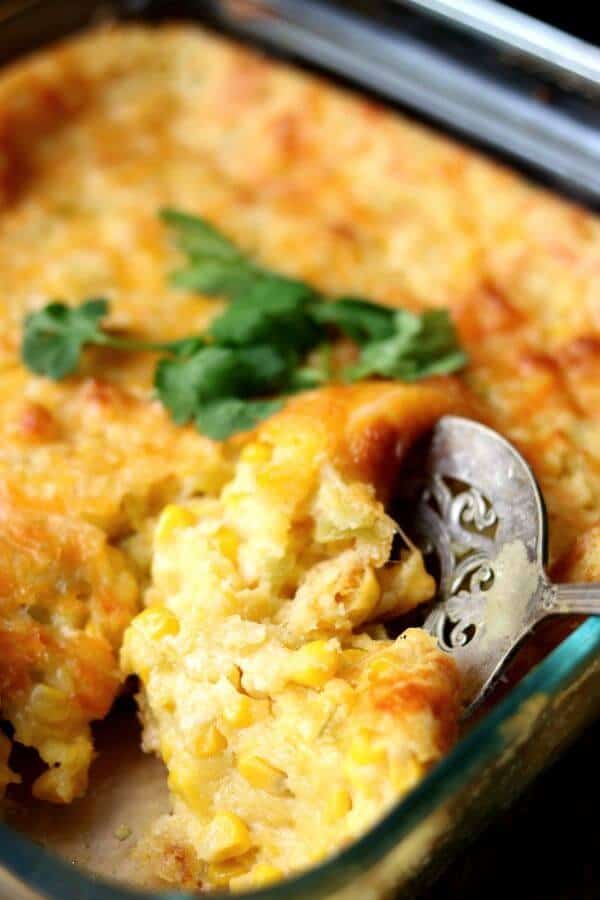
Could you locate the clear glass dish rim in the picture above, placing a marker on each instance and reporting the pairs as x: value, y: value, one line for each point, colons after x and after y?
x: 41, y: 870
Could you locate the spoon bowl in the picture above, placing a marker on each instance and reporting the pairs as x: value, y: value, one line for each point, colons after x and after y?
x: 479, y: 517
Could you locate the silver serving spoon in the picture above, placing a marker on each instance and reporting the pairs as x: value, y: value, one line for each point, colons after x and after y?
x: 480, y: 511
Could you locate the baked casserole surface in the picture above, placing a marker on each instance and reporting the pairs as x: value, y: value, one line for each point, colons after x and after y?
x: 245, y: 584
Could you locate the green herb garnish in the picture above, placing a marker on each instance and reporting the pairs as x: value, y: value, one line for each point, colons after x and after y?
x: 316, y: 373
x: 198, y: 239
x: 359, y: 319
x: 277, y: 314
x: 54, y: 337
x: 222, y: 418
x: 419, y: 345
x: 185, y: 385
x: 274, y: 338
x: 215, y: 266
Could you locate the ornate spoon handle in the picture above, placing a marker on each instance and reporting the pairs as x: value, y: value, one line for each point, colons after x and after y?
x: 480, y: 512
x: 573, y: 598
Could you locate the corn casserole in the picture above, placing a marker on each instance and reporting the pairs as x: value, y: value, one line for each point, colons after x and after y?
x: 245, y: 586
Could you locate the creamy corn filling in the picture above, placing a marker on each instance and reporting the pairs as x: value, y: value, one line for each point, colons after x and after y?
x: 288, y: 721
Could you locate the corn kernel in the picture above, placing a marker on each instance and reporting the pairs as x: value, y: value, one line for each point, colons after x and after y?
x: 404, y: 585
x: 382, y: 667
x: 234, y: 499
x: 63, y: 782
x: 404, y: 775
x: 220, y: 874
x: 228, y: 542
x: 366, y: 596
x: 179, y: 781
x: 314, y: 664
x: 151, y: 624
x: 318, y: 853
x: 263, y: 874
x: 235, y: 677
x: 50, y: 705
x: 172, y: 518
x: 186, y: 781
x: 243, y: 711
x: 261, y: 774
x: 341, y: 693
x: 209, y: 741
x: 352, y: 658
x: 351, y: 664
x: 228, y: 836
x: 132, y: 661
x: 156, y: 622
x: 256, y: 453
x: 363, y: 750
x: 167, y: 747
x: 338, y: 804
x: 50, y: 787
x: 239, y: 712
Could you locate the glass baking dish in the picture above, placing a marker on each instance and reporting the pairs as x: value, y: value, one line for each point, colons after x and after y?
x: 436, y: 73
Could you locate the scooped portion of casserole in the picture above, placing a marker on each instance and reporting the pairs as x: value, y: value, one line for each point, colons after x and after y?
x: 286, y: 717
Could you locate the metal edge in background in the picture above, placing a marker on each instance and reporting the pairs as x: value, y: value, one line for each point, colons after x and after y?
x: 562, y: 55
x: 402, y: 67
x: 407, y: 70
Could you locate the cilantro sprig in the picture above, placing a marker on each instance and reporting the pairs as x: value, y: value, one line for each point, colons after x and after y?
x: 274, y: 338
x: 418, y: 346
x: 54, y: 337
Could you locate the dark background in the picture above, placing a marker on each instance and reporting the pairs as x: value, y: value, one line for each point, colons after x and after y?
x: 579, y: 18
x: 548, y: 846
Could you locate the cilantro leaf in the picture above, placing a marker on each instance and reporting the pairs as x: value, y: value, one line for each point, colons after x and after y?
x: 359, y: 319
x: 222, y: 418
x: 54, y: 336
x: 316, y: 373
x: 215, y: 276
x: 438, y: 351
x: 215, y: 265
x: 184, y: 385
x: 197, y: 237
x: 279, y: 290
x: 263, y: 368
x: 421, y: 345
x: 186, y: 346
x: 274, y: 310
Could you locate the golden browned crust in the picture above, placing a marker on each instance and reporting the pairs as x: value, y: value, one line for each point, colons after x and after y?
x: 582, y: 561
x: 65, y: 598
x: 365, y: 430
x: 90, y: 448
